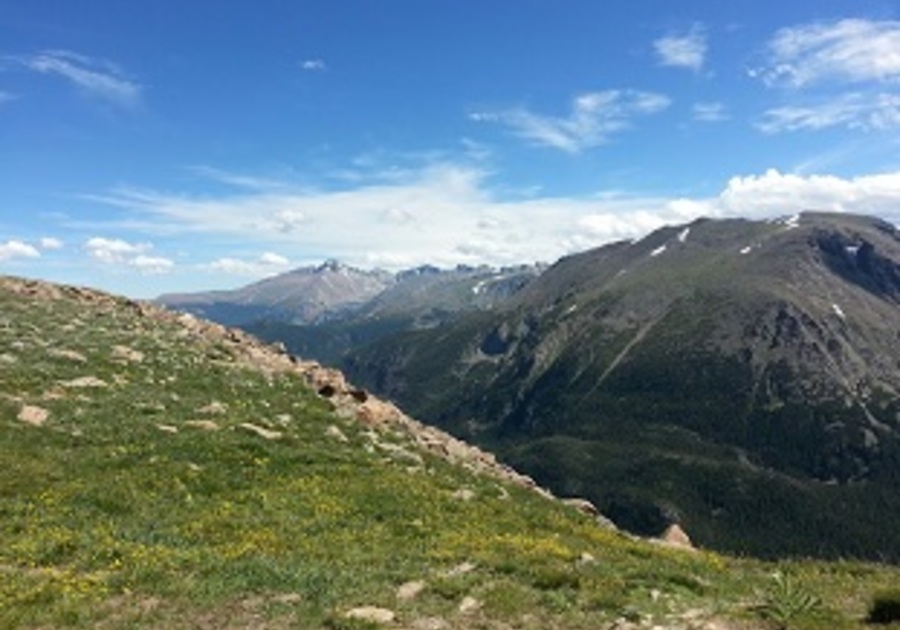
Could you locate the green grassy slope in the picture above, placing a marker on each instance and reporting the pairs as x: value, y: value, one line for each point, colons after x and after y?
x: 163, y: 473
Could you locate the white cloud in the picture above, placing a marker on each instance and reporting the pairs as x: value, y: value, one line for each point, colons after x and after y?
x: 780, y: 193
x: 850, y: 50
x: 447, y: 214
x: 857, y: 111
x: 114, y: 251
x: 6, y: 97
x: 682, y: 51
x: 17, y: 249
x: 151, y: 264
x: 289, y: 220
x: 233, y: 266
x: 710, y: 112
x: 236, y: 180
x: 313, y: 64
x: 49, y: 242
x: 96, y: 77
x: 271, y: 259
x: 594, y: 118
x: 267, y: 264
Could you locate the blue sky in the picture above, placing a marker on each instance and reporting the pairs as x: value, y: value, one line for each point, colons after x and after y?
x: 173, y: 146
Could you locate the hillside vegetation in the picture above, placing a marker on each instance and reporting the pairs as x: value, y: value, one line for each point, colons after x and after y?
x: 163, y: 472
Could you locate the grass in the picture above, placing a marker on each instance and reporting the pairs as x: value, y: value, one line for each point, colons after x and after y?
x: 123, y: 511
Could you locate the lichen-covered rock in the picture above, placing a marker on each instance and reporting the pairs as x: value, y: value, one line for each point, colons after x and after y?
x: 33, y: 415
x: 371, y: 614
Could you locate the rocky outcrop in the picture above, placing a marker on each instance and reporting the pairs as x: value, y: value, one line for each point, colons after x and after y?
x: 675, y: 536
x: 383, y: 415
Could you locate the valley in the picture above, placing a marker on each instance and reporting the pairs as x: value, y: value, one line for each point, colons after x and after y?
x: 738, y: 377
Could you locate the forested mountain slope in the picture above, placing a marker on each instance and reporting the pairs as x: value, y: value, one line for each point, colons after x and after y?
x: 739, y: 376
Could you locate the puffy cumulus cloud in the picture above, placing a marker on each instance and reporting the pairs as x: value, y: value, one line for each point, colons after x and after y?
x: 448, y: 214
x: 93, y: 76
x: 850, y: 50
x: 593, y: 119
x: 267, y: 264
x: 784, y: 193
x: 686, y: 50
x: 857, y: 111
x: 49, y: 242
x: 114, y: 251
x: 762, y: 196
x: 17, y: 249
x: 288, y: 220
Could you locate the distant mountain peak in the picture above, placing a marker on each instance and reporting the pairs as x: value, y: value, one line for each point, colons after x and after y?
x: 332, y: 265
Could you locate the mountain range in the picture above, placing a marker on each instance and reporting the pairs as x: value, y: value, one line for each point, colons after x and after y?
x: 325, y: 311
x: 737, y: 377
x: 301, y: 296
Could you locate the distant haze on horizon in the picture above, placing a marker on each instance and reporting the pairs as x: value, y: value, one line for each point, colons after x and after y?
x: 177, y: 147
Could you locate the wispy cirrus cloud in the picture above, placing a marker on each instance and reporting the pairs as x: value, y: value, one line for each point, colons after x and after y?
x: 684, y: 50
x: 835, y: 75
x: 6, y: 97
x: 237, y: 180
x: 850, y: 50
x: 857, y: 111
x: 268, y: 263
x: 95, y: 77
x: 710, y: 112
x: 594, y: 118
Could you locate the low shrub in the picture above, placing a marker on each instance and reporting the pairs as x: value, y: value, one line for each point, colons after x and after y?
x: 784, y: 602
x: 885, y: 607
